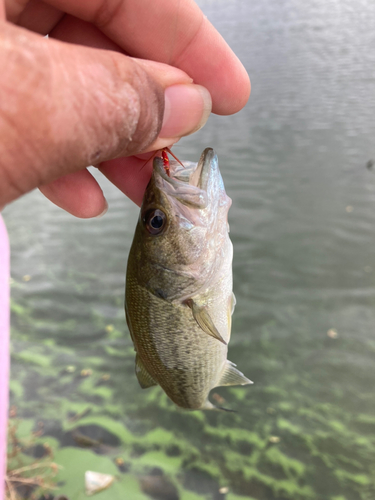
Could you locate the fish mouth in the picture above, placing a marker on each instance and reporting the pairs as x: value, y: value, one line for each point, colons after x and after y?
x: 189, y: 184
x: 201, y: 174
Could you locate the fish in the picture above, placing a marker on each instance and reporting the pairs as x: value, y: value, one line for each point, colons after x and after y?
x: 179, y: 299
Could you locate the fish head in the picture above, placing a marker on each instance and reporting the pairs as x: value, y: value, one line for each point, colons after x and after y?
x: 183, y: 224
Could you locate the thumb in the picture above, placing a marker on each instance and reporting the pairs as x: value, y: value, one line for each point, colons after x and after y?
x: 65, y: 107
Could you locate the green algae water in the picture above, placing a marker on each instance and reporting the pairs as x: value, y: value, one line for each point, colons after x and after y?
x: 296, y: 164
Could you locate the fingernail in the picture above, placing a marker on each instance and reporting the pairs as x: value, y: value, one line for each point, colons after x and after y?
x: 187, y: 108
x: 104, y: 211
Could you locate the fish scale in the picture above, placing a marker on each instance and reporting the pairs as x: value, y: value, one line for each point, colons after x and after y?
x: 172, y: 353
x: 179, y: 298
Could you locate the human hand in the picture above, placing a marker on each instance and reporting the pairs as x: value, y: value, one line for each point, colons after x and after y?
x: 65, y: 106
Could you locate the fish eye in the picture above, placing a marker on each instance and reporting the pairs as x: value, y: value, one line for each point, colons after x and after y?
x: 155, y: 221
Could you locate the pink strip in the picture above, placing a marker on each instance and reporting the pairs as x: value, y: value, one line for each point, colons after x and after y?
x: 4, y: 350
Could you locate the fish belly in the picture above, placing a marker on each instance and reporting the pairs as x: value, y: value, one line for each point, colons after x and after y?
x: 185, y: 361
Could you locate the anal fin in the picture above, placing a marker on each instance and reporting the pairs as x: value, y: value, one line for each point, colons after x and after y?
x: 232, y: 376
x: 144, y: 378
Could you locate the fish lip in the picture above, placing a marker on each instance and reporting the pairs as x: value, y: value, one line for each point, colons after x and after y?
x: 158, y: 168
x: 192, y: 192
x: 198, y: 178
x: 201, y: 174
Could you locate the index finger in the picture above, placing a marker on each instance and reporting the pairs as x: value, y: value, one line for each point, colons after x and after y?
x: 175, y: 33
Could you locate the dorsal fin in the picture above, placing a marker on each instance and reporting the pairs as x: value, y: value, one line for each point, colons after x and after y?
x: 232, y: 376
x: 144, y: 378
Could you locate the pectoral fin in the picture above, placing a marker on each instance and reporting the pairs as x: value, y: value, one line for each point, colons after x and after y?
x: 144, y: 378
x: 232, y: 376
x: 231, y: 306
x: 204, y: 320
x: 233, y: 303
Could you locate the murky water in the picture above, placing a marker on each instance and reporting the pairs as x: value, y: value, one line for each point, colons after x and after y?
x: 303, y: 228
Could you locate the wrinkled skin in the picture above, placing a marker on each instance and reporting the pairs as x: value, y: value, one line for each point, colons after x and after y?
x: 114, y: 78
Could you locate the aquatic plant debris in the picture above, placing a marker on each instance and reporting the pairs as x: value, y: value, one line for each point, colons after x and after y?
x: 332, y: 333
x: 30, y: 465
x: 95, y: 482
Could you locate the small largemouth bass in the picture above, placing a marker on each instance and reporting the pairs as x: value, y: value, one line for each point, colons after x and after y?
x: 179, y: 300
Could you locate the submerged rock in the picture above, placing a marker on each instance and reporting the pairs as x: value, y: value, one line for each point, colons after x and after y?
x: 158, y: 486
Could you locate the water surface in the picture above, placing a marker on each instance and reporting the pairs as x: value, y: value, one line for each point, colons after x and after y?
x: 303, y: 228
